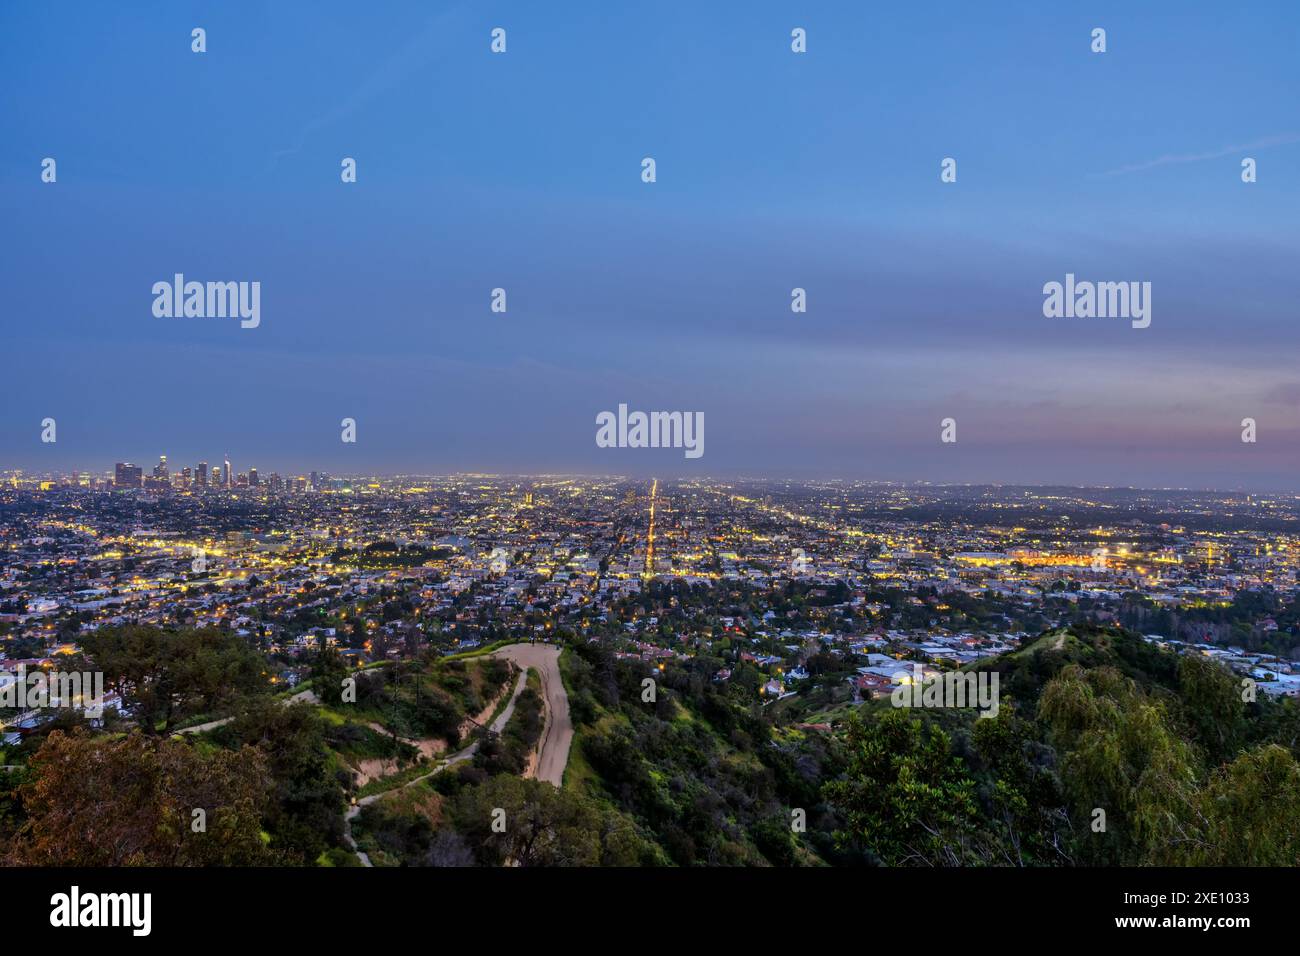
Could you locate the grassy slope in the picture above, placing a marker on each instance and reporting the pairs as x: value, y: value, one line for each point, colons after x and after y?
x: 581, y: 777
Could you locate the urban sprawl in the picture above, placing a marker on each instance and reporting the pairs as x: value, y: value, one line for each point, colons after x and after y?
x: 790, y: 581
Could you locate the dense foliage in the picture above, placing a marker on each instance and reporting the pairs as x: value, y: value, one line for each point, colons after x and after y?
x: 1117, y: 753
x: 1105, y: 750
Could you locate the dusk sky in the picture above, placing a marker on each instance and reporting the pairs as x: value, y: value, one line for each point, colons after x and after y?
x: 774, y: 170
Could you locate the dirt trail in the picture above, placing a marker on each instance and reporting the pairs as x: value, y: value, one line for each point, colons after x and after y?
x: 373, y: 768
x: 461, y: 755
x: 553, y: 752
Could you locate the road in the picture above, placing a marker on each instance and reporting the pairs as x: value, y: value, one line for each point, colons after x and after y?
x: 650, y: 535
x: 558, y: 736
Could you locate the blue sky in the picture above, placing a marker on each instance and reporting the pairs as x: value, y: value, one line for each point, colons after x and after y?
x: 775, y: 170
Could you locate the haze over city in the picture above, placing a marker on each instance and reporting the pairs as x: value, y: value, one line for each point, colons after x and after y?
x: 774, y: 171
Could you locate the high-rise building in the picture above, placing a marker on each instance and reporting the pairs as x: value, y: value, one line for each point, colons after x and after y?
x: 201, y: 475
x: 160, y: 469
x: 253, y: 480
x: 216, y: 477
x: 230, y: 475
x: 127, y: 475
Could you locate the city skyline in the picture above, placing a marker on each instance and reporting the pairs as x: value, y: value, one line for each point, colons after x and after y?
x: 190, y: 472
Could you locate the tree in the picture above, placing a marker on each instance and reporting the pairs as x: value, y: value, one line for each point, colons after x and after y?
x: 535, y: 824
x: 775, y: 840
x: 1021, y: 791
x: 449, y: 848
x: 328, y: 671
x: 1248, y: 815
x: 131, y: 802
x: 164, y: 675
x: 1214, y: 708
x: 305, y: 816
x: 906, y: 797
x: 1122, y: 756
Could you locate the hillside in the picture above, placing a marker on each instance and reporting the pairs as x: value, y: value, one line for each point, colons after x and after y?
x: 699, y: 770
x: 1106, y: 750
x: 1025, y: 671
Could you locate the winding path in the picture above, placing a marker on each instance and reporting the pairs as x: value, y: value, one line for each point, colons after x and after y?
x: 459, y: 756
x: 556, y: 740
x: 553, y: 750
